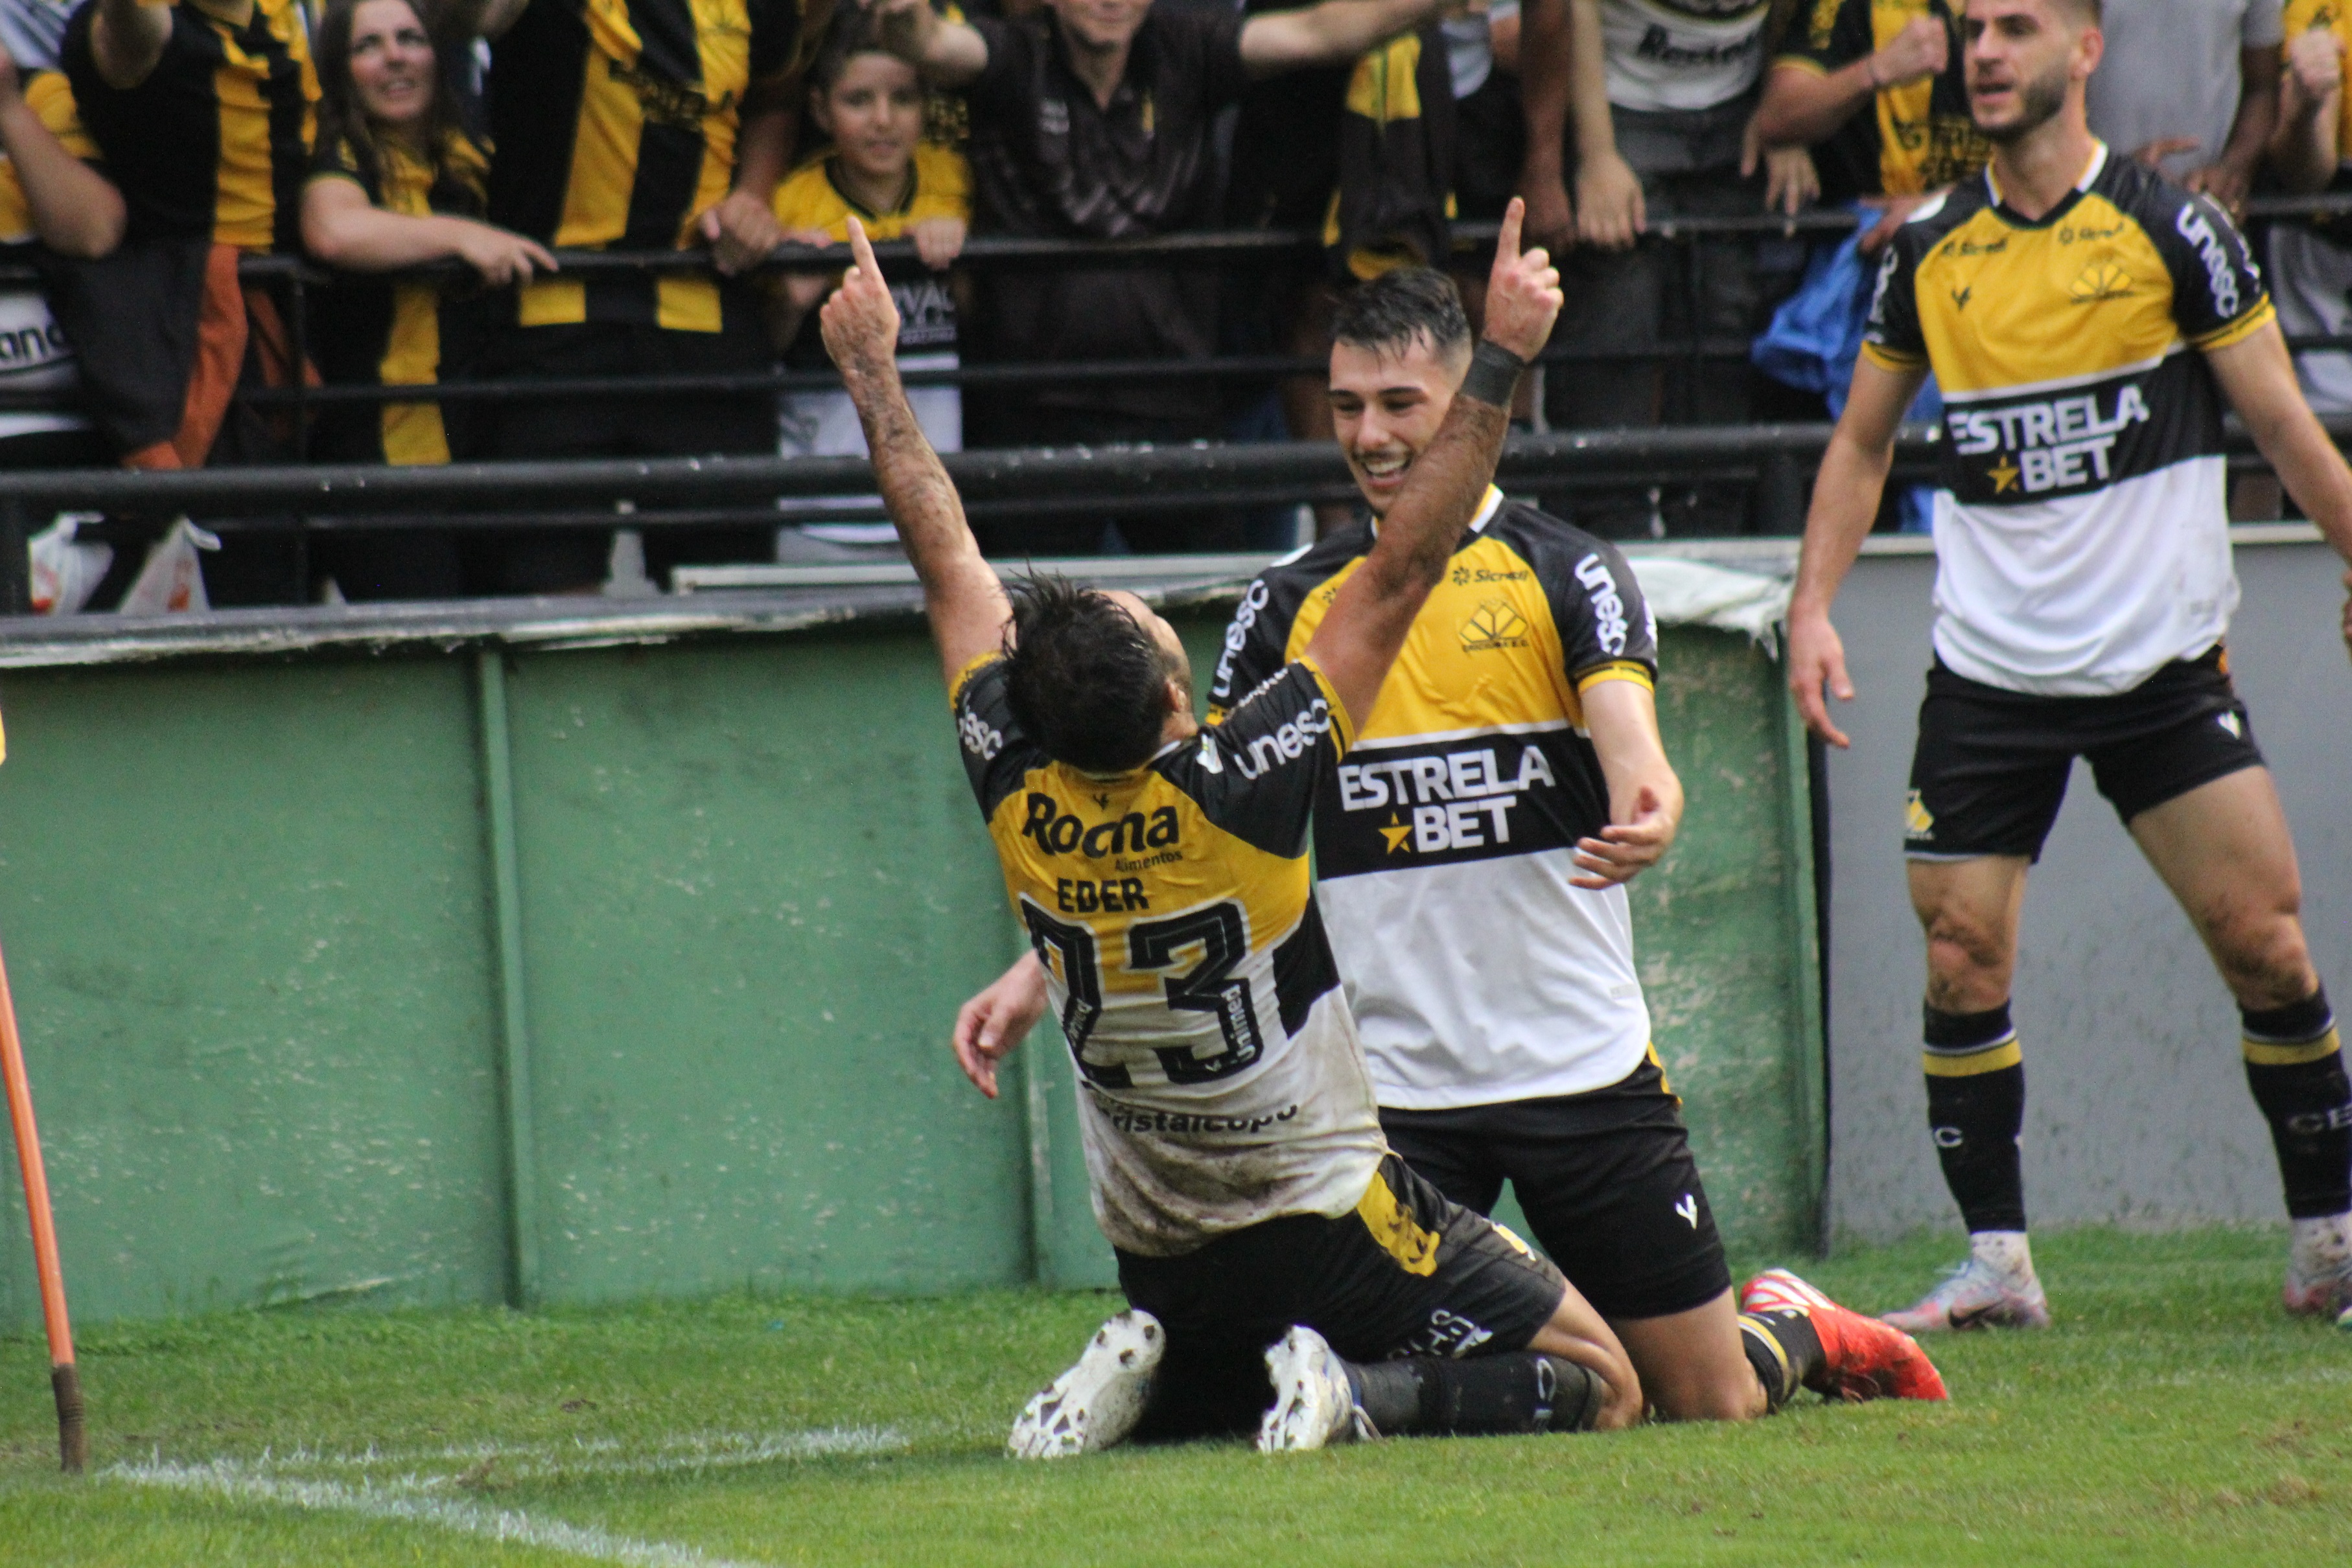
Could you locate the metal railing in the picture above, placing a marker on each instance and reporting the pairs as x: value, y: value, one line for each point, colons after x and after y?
x: 675, y: 493
x: 297, y: 277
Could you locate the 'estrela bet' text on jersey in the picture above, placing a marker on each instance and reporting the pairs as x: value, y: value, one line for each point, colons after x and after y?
x: 1449, y: 831
x: 2082, y: 536
x: 1220, y: 1079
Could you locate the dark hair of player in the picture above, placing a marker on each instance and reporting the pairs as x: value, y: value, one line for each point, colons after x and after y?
x: 1396, y: 309
x: 1083, y: 679
x: 853, y: 31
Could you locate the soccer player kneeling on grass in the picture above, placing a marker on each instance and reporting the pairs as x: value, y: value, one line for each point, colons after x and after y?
x: 1264, y: 1232
x: 2082, y: 590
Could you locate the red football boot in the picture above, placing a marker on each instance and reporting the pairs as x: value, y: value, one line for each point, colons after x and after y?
x: 1862, y: 1358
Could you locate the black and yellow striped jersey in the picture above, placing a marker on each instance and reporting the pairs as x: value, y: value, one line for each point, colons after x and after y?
x: 377, y: 330
x: 1447, y: 836
x: 216, y: 141
x: 1220, y: 1079
x: 2082, y: 535
x: 616, y: 124
x: 1916, y: 137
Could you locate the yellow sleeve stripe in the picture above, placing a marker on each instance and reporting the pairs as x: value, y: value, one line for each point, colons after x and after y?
x: 1887, y: 358
x: 1801, y: 62
x: 1615, y: 670
x: 1340, y: 723
x: 964, y: 676
x: 2262, y: 315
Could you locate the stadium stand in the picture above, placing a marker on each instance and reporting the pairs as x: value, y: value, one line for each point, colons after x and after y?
x: 339, y: 260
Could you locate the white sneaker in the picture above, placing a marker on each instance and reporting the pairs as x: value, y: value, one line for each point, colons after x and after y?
x: 1975, y: 1296
x: 1096, y: 1403
x: 1314, y: 1404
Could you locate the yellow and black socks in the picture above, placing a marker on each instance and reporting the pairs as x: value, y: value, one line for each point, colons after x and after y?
x: 1436, y: 1397
x: 2294, y: 1065
x: 1976, y: 1109
x: 1784, y: 1348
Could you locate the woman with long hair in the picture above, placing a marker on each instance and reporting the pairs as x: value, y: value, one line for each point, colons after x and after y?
x: 396, y: 183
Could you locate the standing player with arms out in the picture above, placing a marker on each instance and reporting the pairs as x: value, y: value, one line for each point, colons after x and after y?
x: 1231, y: 1140
x: 2083, y: 590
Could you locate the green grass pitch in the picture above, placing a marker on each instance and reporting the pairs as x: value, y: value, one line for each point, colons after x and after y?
x: 2173, y: 1417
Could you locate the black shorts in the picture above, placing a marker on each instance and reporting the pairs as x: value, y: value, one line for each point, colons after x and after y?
x: 1407, y: 1273
x: 1989, y: 771
x: 1606, y: 1180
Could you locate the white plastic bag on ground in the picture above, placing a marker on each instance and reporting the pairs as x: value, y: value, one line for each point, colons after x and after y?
x: 173, y: 578
x: 66, y: 572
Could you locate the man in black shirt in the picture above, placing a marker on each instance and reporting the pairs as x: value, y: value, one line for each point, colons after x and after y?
x: 1091, y: 120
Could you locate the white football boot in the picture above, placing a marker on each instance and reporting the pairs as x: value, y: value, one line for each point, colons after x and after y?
x: 1982, y: 1292
x: 1313, y: 1403
x: 2319, y: 1270
x: 1096, y: 1403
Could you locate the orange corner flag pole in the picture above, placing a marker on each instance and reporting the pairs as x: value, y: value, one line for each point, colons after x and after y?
x: 73, y: 1441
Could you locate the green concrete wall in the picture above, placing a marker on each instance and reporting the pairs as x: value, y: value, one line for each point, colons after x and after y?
x: 594, y: 975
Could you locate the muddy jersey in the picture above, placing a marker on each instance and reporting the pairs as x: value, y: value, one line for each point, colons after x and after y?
x: 1220, y: 1079
x: 1445, y: 842
x: 2082, y: 539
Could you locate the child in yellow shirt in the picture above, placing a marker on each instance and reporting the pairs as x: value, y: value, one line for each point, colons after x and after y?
x: 879, y: 168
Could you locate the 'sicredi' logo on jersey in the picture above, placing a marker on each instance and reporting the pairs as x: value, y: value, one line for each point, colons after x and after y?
x: 1493, y: 627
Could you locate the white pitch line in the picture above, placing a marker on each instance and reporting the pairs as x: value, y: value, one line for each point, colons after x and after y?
x: 607, y: 1456
x: 234, y: 1481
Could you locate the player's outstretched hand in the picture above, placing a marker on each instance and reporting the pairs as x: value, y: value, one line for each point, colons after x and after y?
x: 860, y: 322
x: 1624, y: 849
x: 989, y: 1026
x: 1817, y: 658
x: 1523, y: 297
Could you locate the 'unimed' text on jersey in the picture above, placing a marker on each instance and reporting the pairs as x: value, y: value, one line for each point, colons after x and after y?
x: 2082, y: 539
x: 1445, y: 842
x: 1220, y: 1081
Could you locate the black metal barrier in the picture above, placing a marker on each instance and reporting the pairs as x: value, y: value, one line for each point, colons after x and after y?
x: 1777, y: 459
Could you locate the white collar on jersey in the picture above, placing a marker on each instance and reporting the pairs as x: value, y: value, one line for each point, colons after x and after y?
x: 2090, y: 174
x: 1486, y: 513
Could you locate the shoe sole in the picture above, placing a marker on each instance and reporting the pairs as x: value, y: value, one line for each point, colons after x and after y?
x: 1310, y: 1394
x: 2019, y: 1313
x: 1096, y: 1403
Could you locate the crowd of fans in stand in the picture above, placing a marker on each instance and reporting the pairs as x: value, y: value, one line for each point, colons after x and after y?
x: 151, y: 147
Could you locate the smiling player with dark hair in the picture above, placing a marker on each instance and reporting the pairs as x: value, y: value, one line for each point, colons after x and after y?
x: 1283, y: 1268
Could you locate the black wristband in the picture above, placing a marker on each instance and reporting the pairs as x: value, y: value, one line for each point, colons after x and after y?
x: 1494, y: 374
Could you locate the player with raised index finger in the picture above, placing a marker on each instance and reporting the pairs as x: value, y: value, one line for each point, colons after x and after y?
x: 1285, y: 1270
x: 2084, y: 318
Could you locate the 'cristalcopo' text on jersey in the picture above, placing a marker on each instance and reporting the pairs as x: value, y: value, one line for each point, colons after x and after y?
x: 1220, y: 1079
x: 1445, y: 840
x: 2082, y: 537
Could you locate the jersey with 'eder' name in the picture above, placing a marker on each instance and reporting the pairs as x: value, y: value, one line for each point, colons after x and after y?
x: 2082, y: 536
x: 1220, y: 1079
x: 1445, y: 842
